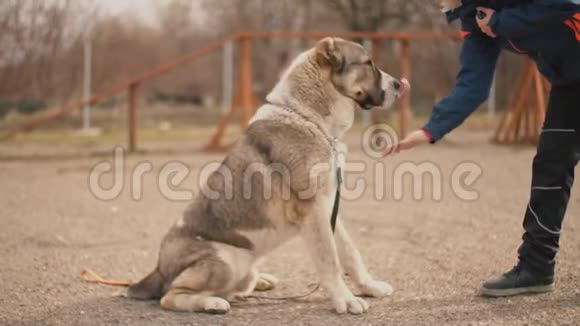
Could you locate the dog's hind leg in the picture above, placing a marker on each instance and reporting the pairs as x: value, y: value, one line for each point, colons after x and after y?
x: 200, y: 288
x: 354, y: 266
x: 151, y: 287
x: 320, y: 241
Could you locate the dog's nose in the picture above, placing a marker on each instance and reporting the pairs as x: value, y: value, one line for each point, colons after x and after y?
x: 396, y: 84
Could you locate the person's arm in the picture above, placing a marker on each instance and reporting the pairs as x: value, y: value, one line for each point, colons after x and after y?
x: 478, y: 60
x: 527, y: 19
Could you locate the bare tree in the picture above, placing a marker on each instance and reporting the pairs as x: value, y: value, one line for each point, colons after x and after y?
x: 373, y: 15
x: 33, y: 35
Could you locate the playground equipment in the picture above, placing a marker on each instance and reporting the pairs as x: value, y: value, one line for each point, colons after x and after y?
x: 244, y: 100
x: 524, y: 115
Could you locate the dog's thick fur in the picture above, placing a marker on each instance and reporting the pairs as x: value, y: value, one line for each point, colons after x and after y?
x: 210, y: 254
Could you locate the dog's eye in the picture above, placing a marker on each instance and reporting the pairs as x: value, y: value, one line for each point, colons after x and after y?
x: 368, y: 62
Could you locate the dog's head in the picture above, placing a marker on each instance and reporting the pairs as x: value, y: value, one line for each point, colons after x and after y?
x: 354, y: 74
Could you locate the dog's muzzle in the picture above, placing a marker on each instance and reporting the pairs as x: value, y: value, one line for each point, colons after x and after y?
x: 373, y: 101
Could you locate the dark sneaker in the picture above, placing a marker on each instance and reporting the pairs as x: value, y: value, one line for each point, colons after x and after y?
x: 518, y: 281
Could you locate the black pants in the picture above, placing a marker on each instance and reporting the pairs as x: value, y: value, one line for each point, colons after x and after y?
x: 552, y: 177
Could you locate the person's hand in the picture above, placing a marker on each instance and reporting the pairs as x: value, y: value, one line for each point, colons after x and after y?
x: 416, y: 138
x: 484, y: 22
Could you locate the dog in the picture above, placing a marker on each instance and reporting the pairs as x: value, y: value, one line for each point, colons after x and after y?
x: 288, y: 156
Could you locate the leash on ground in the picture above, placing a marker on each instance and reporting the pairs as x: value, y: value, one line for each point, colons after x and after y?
x: 315, y: 287
x: 90, y: 276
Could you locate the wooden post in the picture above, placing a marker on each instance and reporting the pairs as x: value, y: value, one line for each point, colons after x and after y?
x: 377, y: 53
x: 526, y: 121
x: 521, y: 103
x: 506, y: 119
x: 246, y: 92
x: 244, y: 98
x: 132, y: 120
x: 228, y: 77
x: 405, y: 106
x: 215, y: 144
x: 524, y: 111
x: 547, y: 86
x: 540, y: 111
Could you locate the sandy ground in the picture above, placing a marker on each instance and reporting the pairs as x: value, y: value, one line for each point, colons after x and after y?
x: 435, y: 253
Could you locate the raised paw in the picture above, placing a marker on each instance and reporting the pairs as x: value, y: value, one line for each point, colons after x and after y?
x: 266, y: 282
x: 216, y: 306
x: 352, y: 304
x: 376, y: 289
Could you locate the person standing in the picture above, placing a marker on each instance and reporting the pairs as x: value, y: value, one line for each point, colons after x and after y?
x: 549, y: 33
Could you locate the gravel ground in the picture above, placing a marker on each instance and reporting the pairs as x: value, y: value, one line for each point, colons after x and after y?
x: 435, y: 253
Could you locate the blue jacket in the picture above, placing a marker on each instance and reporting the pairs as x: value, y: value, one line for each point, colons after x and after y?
x: 548, y: 31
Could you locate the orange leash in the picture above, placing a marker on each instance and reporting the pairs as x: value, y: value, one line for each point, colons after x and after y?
x: 89, y: 276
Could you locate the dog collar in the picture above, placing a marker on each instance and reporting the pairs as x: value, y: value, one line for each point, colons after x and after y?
x: 333, y: 142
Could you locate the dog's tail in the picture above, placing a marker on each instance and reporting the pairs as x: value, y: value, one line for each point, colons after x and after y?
x: 149, y: 288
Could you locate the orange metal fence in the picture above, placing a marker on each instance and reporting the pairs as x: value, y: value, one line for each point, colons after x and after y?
x: 245, y: 99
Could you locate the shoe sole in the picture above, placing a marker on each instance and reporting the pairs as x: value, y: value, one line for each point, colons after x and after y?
x: 519, y: 291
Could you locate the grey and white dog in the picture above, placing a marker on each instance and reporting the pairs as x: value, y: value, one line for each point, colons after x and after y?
x: 210, y: 255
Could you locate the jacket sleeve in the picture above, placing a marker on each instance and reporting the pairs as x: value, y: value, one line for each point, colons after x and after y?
x: 478, y: 60
x: 527, y: 19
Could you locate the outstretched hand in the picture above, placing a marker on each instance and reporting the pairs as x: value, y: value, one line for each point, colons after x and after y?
x: 416, y: 138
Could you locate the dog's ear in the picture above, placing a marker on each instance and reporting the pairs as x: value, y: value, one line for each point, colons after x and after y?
x: 329, y: 54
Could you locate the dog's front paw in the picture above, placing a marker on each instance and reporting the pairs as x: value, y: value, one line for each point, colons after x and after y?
x: 351, y: 304
x: 376, y: 289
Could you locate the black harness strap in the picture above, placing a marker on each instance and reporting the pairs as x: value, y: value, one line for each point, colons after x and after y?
x: 334, y: 216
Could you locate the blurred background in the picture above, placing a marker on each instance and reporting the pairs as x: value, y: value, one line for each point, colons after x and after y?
x: 57, y: 51
x: 435, y: 251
